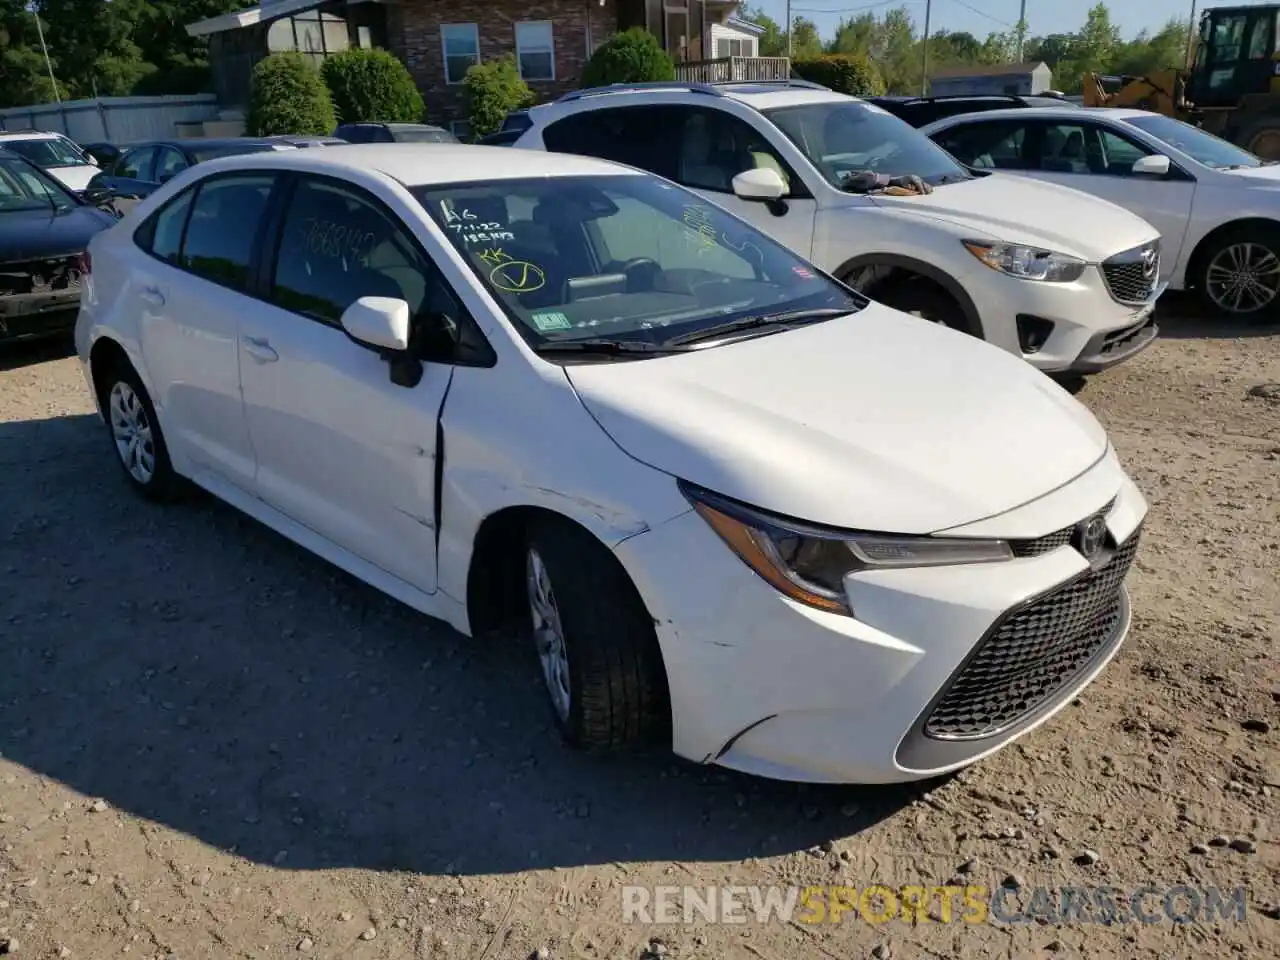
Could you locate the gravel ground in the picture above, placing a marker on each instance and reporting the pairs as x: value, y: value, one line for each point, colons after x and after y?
x: 215, y: 745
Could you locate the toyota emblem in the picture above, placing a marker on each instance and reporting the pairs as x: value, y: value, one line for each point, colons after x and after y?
x: 1090, y: 536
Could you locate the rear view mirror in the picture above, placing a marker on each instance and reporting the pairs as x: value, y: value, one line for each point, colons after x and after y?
x: 381, y: 324
x: 761, y: 183
x: 1156, y: 165
x: 378, y: 322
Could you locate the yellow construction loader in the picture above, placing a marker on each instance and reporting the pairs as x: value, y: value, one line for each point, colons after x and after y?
x: 1232, y: 88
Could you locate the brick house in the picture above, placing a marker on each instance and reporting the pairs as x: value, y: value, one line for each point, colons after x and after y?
x: 438, y: 40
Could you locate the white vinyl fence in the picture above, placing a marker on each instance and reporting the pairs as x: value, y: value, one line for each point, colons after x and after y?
x: 113, y: 119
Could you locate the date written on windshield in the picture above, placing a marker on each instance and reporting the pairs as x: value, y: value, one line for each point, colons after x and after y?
x: 471, y: 229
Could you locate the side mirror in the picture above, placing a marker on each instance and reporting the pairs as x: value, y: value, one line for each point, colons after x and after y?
x: 1156, y: 165
x: 760, y: 183
x: 381, y: 324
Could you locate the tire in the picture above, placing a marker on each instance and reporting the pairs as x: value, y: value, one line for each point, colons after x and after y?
x: 1263, y: 139
x: 1250, y: 250
x: 922, y: 298
x: 594, y: 641
x: 136, y: 437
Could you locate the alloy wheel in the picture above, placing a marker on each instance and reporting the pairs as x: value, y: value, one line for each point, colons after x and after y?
x: 548, y: 633
x: 131, y: 430
x: 1243, y: 277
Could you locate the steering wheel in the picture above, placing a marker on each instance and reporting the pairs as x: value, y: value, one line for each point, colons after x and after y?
x: 642, y: 273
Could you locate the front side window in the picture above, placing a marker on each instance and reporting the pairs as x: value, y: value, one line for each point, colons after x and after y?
x: 218, y: 242
x: 461, y: 43
x: 136, y: 164
x: 48, y: 152
x: 1201, y: 146
x: 716, y: 146
x: 170, y: 164
x: 25, y: 187
x: 535, y: 50
x: 844, y: 137
x: 337, y: 245
x: 620, y: 257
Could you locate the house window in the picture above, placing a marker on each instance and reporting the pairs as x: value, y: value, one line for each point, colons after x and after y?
x: 535, y: 50
x: 735, y: 48
x: 317, y: 35
x: 461, y: 50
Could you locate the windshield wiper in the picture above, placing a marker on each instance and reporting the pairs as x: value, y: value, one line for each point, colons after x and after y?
x: 603, y: 346
x: 783, y: 321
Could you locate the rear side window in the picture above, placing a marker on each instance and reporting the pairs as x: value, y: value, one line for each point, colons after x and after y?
x: 166, y: 232
x: 1000, y: 145
x: 624, y: 135
x: 218, y: 242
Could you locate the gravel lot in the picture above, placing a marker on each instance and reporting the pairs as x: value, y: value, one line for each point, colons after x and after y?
x: 215, y: 745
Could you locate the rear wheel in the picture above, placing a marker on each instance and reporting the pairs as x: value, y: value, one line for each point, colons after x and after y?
x: 594, y: 641
x: 1239, y: 273
x: 1263, y: 139
x: 136, y: 435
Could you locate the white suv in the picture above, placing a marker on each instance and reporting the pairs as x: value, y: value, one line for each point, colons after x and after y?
x: 1063, y: 279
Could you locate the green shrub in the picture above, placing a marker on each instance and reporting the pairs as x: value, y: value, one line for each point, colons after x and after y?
x: 371, y: 85
x: 288, y: 96
x: 493, y: 90
x: 851, y: 74
x: 633, y: 56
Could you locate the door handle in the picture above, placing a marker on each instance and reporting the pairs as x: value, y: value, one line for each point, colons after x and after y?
x: 153, y: 296
x: 260, y: 350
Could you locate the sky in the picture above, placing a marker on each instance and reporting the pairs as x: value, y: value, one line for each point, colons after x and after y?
x: 980, y: 17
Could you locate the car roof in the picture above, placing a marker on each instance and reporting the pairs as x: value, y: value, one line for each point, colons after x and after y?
x: 426, y: 164
x: 760, y: 95
x: 1066, y: 112
x: 31, y: 135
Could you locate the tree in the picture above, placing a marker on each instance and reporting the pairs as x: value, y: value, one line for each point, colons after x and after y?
x: 849, y: 73
x: 95, y: 50
x: 857, y: 35
x: 371, y: 85
x: 288, y: 96
x: 633, y: 56
x: 493, y: 90
x: 181, y: 61
x: 773, y: 42
x: 805, y: 41
x: 24, y: 77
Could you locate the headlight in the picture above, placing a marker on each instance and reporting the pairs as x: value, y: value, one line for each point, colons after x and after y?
x: 1027, y: 263
x: 809, y: 564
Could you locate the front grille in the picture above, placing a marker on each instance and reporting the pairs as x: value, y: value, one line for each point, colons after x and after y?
x: 1034, y: 653
x: 1132, y: 276
x: 50, y: 275
x: 1052, y: 541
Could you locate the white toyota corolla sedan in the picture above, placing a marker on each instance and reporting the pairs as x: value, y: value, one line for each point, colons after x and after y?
x: 794, y: 532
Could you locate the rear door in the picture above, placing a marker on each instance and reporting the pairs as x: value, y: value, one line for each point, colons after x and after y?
x: 190, y: 290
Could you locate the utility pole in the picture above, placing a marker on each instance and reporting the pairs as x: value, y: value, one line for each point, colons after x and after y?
x: 924, y: 66
x: 790, y: 29
x: 52, y: 82
x: 1022, y: 28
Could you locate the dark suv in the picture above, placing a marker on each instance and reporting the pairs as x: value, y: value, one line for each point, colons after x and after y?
x: 919, y: 111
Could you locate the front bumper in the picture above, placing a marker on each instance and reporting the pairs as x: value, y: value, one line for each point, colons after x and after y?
x: 763, y: 685
x: 1082, y: 314
x: 31, y: 316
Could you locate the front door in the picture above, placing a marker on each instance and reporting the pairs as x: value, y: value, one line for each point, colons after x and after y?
x: 340, y: 448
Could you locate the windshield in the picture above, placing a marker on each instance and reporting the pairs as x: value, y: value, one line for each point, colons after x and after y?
x: 50, y: 152
x: 624, y: 257
x: 1205, y: 147
x: 422, y: 136
x: 24, y: 187
x: 201, y: 154
x: 841, y: 137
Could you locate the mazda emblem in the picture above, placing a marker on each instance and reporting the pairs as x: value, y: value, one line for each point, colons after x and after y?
x: 1090, y: 536
x: 1150, y: 261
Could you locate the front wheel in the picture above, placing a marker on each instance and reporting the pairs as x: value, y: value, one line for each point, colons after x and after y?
x: 915, y: 295
x: 594, y: 641
x: 1239, y: 275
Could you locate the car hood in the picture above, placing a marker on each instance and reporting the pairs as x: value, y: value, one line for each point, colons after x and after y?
x: 874, y: 421
x: 1020, y: 210
x: 1268, y: 176
x: 35, y: 233
x: 74, y: 178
